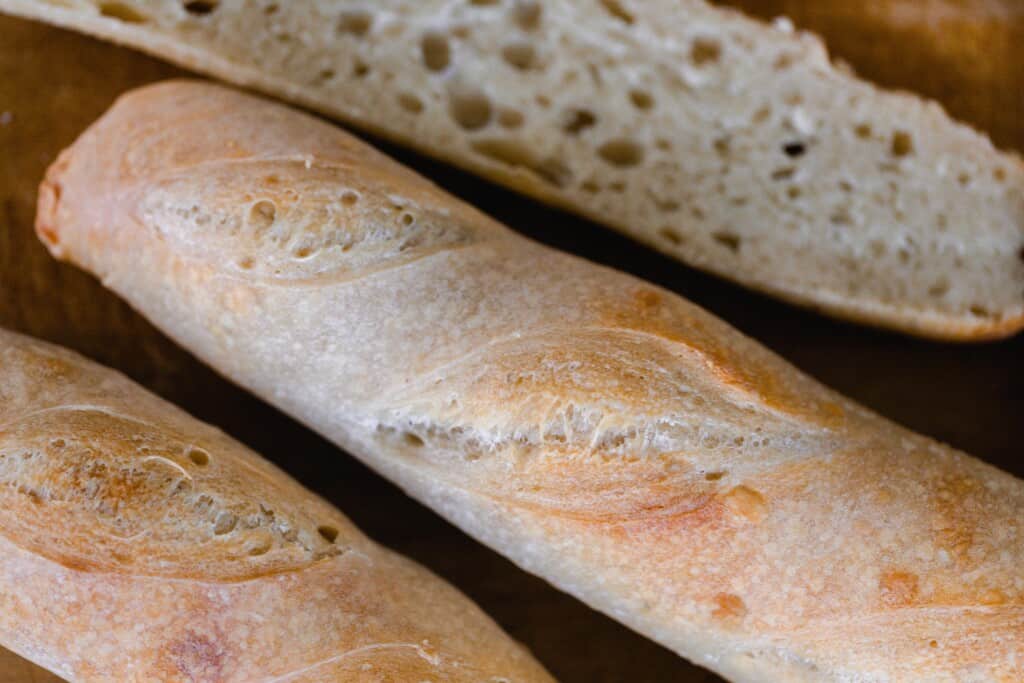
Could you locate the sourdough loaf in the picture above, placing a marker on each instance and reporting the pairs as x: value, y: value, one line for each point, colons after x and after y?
x: 139, y: 544
x: 600, y: 431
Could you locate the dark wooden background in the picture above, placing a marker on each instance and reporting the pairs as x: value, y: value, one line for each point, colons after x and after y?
x: 969, y: 54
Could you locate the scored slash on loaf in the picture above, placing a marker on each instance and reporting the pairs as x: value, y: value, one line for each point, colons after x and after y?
x: 730, y: 144
x: 138, y: 544
x: 602, y: 432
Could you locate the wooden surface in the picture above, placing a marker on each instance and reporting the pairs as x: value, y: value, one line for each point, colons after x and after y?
x: 967, y: 53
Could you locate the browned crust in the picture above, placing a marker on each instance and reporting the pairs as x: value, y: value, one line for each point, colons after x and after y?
x: 602, y: 432
x: 137, y: 543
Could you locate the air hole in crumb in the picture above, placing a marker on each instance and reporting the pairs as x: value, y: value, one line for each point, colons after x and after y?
x: 360, y: 69
x: 411, y: 439
x: 408, y: 219
x: 590, y: 186
x: 902, y: 144
x: 527, y: 14
x: 641, y: 99
x: 436, y: 53
x: 722, y: 146
x: 349, y: 198
x: 794, y: 149
x: 783, y: 173
x: 579, y: 120
x: 999, y: 174
x: 783, y: 61
x: 705, y: 51
x: 714, y: 476
x: 519, y: 54
x: 200, y: 7
x: 198, y: 456
x: 663, y: 144
x: 123, y: 12
x: 933, y: 643
x: 794, y: 192
x: 728, y: 240
x: 616, y: 9
x: 58, y: 443
x: 262, y: 214
x: 621, y: 152
x: 841, y: 216
x: 1020, y: 254
x: 510, y: 118
x: 483, y: 3
x: 863, y: 130
x: 410, y: 102
x: 271, y: 9
x: 325, y: 75
x: 246, y: 264
x: 980, y: 311
x: 328, y: 533
x: 671, y: 236
x: 470, y: 107
x: 303, y: 252
x: 939, y: 289
x: 355, y: 22
x: 543, y: 100
x: 964, y: 178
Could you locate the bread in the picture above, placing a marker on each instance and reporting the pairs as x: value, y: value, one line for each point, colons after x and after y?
x: 600, y: 431
x: 730, y: 144
x: 138, y: 544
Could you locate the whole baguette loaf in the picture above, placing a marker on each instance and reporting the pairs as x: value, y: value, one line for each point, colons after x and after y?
x: 602, y: 432
x: 730, y: 144
x: 139, y: 544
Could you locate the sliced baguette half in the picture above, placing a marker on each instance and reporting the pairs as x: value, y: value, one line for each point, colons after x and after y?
x: 733, y: 145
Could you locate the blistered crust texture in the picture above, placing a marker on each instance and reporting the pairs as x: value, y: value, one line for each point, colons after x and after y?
x: 730, y: 144
x: 602, y: 432
x: 139, y: 544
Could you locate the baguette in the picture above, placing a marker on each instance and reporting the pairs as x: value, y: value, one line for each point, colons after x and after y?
x: 732, y: 145
x: 138, y: 544
x: 600, y: 431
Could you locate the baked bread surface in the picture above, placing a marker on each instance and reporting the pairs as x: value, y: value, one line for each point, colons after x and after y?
x: 733, y: 145
x: 729, y: 143
x: 138, y: 544
x: 600, y: 431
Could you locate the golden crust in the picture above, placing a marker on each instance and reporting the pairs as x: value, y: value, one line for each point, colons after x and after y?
x: 602, y: 432
x: 139, y: 544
